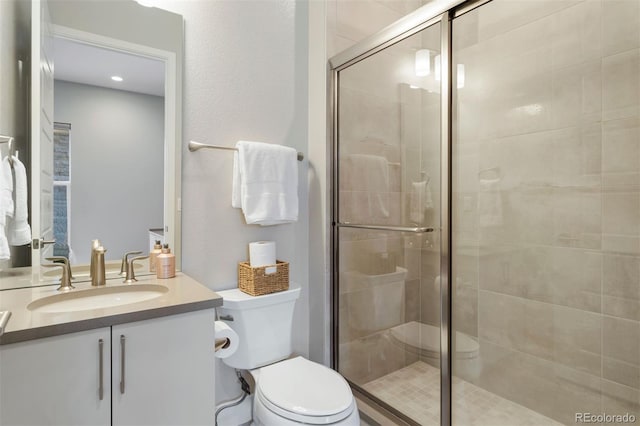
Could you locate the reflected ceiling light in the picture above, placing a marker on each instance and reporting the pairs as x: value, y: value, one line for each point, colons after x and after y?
x: 145, y: 3
x: 116, y: 78
x: 423, y: 62
x: 460, y: 76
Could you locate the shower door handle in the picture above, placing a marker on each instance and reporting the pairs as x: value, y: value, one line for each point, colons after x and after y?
x: 412, y: 229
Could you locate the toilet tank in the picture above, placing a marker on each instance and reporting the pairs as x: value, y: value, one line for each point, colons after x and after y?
x: 263, y: 324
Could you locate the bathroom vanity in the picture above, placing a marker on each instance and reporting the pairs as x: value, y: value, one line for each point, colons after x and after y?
x: 147, y: 362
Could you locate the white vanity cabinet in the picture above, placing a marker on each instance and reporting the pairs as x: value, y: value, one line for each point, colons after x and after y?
x: 167, y: 375
x: 56, y: 380
x: 155, y: 372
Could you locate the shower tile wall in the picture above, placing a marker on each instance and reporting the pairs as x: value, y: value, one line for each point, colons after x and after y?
x: 547, y: 203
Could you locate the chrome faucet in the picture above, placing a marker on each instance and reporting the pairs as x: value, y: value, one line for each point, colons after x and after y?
x: 98, y: 273
x: 65, y: 280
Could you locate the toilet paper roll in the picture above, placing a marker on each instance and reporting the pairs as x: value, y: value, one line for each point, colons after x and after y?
x: 262, y: 253
x: 228, y: 348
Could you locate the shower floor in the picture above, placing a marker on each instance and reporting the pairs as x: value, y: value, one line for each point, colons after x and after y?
x: 415, y: 391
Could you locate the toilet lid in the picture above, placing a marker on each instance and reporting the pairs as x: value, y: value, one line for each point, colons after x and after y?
x: 305, y: 391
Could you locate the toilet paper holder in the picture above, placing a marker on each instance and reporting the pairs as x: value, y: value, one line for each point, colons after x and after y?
x: 222, y: 343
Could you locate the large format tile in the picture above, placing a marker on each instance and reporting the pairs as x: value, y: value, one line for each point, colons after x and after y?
x: 620, y: 88
x: 621, y: 213
x: 620, y: 146
x: 621, y: 286
x: 621, y: 340
x: 563, y: 335
x: 620, y: 30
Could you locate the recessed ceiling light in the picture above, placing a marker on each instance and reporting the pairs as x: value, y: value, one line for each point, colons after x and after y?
x: 116, y: 78
x: 145, y: 3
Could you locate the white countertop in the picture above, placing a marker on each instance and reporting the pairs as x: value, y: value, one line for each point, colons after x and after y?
x: 184, y: 295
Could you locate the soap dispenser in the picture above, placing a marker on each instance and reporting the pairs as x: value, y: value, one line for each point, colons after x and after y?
x: 166, y: 263
x: 153, y: 254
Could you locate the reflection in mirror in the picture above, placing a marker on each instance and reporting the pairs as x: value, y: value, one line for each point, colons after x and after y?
x: 108, y: 150
x: 116, y: 175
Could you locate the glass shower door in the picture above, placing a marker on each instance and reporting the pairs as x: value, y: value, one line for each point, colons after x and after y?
x: 388, y: 261
x: 546, y: 201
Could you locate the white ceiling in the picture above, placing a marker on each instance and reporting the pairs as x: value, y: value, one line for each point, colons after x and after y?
x: 87, y: 64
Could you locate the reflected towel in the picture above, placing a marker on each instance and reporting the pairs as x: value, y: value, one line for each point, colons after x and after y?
x: 18, y: 230
x: 6, y: 205
x: 489, y: 203
x: 365, y: 183
x: 419, y: 200
x: 265, y: 183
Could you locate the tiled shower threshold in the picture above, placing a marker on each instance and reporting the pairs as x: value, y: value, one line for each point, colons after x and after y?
x: 415, y: 391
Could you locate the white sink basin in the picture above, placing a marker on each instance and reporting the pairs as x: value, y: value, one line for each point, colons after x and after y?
x: 97, y: 298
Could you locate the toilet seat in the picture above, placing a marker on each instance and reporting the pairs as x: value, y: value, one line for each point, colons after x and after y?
x: 304, y: 391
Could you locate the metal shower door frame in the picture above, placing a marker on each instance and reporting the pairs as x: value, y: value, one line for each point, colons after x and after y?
x: 438, y: 11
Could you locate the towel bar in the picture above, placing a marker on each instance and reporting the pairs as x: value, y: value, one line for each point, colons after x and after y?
x: 194, y: 146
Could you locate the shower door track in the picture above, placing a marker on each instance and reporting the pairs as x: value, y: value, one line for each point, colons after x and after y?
x: 438, y: 11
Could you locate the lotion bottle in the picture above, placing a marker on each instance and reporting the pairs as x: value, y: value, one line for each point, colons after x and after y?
x: 153, y: 254
x: 166, y: 263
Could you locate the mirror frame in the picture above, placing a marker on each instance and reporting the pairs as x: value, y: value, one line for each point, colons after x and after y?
x: 172, y: 130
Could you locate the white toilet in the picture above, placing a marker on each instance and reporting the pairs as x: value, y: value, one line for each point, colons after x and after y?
x: 288, y: 391
x: 424, y: 339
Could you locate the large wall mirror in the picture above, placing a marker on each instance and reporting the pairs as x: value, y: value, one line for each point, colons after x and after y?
x: 105, y: 132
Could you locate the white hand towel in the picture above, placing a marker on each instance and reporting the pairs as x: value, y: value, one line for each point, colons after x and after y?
x: 6, y: 205
x: 265, y: 183
x: 419, y: 200
x: 365, y: 182
x: 18, y: 230
x: 489, y: 203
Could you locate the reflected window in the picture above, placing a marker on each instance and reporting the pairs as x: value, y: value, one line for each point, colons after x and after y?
x: 61, y: 188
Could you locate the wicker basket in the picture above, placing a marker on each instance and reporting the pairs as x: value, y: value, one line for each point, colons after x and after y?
x: 255, y: 281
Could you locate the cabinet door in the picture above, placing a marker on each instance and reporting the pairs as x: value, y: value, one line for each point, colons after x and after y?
x: 56, y: 381
x: 163, y: 371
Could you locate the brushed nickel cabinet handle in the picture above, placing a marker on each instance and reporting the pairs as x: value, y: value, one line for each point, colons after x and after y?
x: 101, y: 369
x: 122, y: 349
